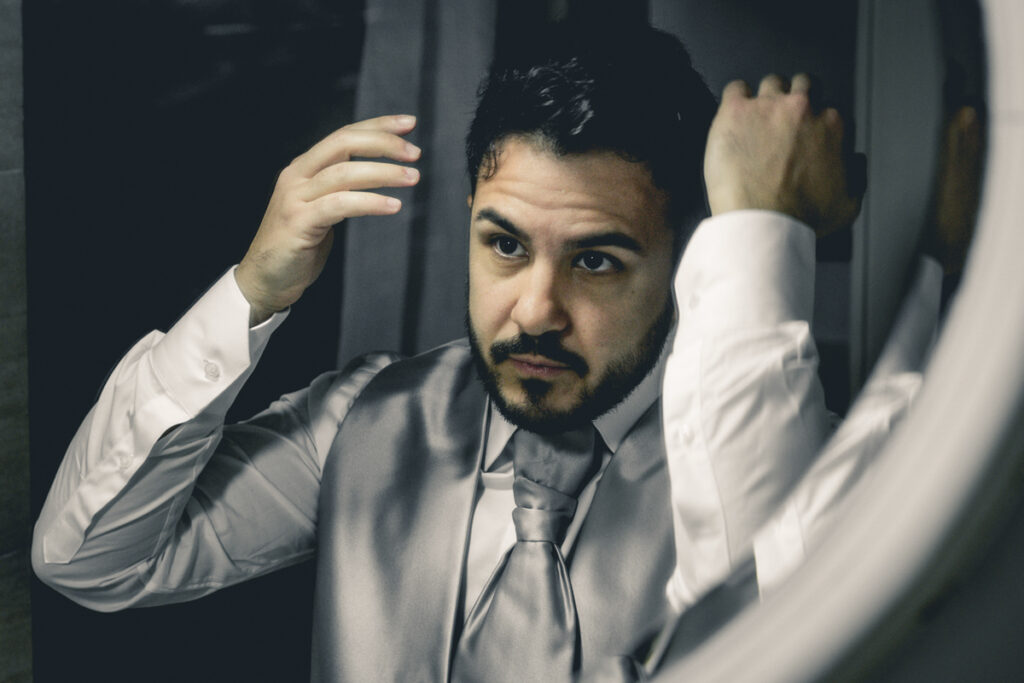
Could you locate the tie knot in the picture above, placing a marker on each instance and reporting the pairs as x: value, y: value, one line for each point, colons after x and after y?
x: 541, y: 513
x: 562, y: 462
x: 550, y: 472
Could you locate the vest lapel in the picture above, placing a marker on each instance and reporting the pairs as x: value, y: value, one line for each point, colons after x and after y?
x: 624, y: 555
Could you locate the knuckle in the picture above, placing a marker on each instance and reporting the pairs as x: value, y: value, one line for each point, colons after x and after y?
x: 800, y: 103
x: 287, y: 174
x: 337, y: 174
x: 342, y: 135
x: 291, y: 213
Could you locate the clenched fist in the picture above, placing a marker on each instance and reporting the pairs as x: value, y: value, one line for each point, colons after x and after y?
x: 774, y: 152
x: 317, y: 190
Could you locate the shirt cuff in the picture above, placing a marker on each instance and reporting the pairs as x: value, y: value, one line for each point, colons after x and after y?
x: 745, y: 269
x: 211, y: 346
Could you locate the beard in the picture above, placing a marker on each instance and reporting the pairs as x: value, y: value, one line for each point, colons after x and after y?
x: 622, y: 375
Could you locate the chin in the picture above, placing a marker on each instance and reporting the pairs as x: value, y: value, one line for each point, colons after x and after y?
x: 529, y: 403
x: 537, y: 416
x: 534, y: 410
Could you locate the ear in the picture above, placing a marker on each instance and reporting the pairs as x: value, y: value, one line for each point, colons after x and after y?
x: 469, y: 200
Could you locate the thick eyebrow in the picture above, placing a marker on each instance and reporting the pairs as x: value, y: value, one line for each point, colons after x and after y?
x: 499, y: 220
x: 609, y: 239
x: 604, y: 239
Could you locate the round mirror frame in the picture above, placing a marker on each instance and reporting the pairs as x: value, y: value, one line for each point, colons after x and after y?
x: 943, y: 479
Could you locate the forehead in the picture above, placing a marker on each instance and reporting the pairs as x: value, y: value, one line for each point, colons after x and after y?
x: 573, y: 193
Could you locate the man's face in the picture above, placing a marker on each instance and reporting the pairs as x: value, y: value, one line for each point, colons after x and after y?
x: 570, y: 266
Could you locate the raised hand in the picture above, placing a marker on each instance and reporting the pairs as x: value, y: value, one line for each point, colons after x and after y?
x: 957, y: 192
x: 318, y: 189
x: 774, y: 152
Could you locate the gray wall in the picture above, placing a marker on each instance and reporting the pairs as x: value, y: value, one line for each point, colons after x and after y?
x: 900, y: 71
x: 404, y: 275
x: 13, y: 348
x: 15, y: 644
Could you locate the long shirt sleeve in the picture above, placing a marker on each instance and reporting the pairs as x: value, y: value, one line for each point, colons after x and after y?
x: 156, y: 501
x: 743, y: 409
x: 744, y: 413
x: 781, y: 545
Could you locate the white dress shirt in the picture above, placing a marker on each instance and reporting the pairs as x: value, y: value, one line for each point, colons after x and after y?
x: 126, y: 522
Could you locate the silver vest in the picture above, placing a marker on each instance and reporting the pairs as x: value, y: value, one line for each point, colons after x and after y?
x: 396, y: 502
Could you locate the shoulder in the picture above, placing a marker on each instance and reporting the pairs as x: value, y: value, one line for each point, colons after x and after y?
x: 451, y: 362
x: 387, y: 371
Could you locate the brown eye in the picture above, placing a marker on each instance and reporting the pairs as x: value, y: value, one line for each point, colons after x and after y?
x: 596, y: 262
x: 508, y: 246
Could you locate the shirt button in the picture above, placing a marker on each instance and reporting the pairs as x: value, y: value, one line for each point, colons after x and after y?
x: 211, y: 370
x: 687, y: 434
x: 125, y: 463
x: 694, y: 301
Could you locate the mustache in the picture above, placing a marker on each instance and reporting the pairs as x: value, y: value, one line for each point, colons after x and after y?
x: 546, y: 345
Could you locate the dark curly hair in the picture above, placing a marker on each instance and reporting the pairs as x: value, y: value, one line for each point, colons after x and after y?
x: 631, y: 90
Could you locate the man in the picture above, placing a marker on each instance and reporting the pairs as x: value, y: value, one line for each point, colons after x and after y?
x: 405, y: 476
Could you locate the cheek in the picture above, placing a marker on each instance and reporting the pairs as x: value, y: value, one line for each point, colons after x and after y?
x: 615, y: 324
x: 489, y: 304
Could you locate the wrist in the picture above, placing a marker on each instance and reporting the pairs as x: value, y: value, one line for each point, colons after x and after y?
x: 260, y: 308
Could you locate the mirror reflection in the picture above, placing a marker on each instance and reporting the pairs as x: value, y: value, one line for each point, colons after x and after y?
x: 680, y: 451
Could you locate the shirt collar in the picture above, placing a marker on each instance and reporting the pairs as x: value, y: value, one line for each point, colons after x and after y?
x: 613, y: 426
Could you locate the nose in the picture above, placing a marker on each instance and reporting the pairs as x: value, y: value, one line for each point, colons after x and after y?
x: 540, y: 307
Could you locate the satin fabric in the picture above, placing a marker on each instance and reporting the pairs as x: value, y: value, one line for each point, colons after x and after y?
x: 396, y: 501
x: 524, y: 627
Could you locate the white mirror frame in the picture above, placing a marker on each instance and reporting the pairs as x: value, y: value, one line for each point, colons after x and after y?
x: 943, y: 476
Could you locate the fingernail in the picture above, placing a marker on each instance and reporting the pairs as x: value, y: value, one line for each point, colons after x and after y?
x: 411, y: 173
x: 405, y: 120
x: 393, y: 204
x: 411, y: 149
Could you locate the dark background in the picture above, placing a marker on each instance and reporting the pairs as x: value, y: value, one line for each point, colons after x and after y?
x: 154, y: 132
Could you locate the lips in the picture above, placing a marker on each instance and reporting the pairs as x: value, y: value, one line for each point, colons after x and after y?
x: 533, y: 354
x: 537, y: 366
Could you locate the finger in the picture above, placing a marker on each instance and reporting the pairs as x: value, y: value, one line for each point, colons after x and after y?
x: 343, y: 144
x: 835, y: 125
x: 834, y: 129
x: 736, y: 89
x: 801, y: 83
x: 338, y: 206
x: 357, y: 175
x: 810, y: 86
x: 399, y: 124
x: 772, y: 84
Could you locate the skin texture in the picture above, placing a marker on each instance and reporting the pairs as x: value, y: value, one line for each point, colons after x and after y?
x: 775, y: 152
x: 573, y: 252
